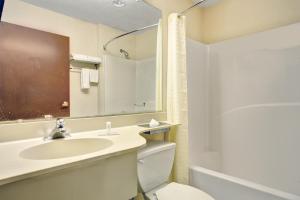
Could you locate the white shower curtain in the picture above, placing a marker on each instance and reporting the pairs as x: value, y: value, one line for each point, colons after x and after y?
x: 159, y: 63
x: 177, y: 108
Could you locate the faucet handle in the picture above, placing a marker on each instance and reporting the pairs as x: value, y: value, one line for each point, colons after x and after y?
x: 60, y: 123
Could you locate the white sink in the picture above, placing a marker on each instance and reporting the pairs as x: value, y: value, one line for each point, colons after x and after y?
x: 65, y: 148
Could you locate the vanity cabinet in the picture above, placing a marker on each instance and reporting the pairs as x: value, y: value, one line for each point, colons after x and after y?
x: 111, y: 178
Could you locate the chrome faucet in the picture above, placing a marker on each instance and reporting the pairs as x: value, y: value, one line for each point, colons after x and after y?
x: 59, y: 131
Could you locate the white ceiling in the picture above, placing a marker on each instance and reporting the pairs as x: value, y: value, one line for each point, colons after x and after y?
x: 135, y: 14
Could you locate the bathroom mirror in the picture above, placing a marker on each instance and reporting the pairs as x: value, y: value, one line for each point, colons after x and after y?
x: 80, y: 58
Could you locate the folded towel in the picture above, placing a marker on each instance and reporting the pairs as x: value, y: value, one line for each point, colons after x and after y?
x: 153, y: 123
x: 85, y: 78
x: 85, y: 59
x: 94, y: 76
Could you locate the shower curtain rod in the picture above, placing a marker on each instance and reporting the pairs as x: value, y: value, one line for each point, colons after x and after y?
x: 146, y: 27
x: 128, y: 33
x: 193, y: 6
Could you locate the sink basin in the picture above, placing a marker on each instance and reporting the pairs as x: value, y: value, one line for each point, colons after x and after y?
x: 65, y: 148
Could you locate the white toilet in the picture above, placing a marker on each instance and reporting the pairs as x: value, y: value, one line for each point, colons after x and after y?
x: 155, y: 163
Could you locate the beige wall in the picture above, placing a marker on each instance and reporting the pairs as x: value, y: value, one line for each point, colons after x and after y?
x: 146, y: 44
x: 233, y: 18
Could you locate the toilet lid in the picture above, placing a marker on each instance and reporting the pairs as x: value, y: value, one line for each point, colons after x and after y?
x: 175, y: 191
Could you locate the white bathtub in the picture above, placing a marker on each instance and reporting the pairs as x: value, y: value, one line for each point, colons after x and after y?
x: 224, y: 187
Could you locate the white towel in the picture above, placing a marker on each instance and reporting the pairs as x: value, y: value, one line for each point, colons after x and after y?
x: 94, y: 76
x: 85, y: 78
x: 153, y: 123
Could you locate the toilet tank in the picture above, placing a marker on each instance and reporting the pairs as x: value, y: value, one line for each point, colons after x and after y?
x: 155, y: 163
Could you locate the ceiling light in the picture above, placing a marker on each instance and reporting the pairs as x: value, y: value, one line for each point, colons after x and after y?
x: 119, y: 3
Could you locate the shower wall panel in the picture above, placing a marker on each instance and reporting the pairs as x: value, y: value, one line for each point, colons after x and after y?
x: 255, y: 106
x: 203, y: 145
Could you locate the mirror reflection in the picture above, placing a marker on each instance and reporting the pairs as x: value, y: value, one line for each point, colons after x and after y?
x: 79, y: 58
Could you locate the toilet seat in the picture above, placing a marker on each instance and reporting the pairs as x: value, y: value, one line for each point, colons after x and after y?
x: 175, y: 191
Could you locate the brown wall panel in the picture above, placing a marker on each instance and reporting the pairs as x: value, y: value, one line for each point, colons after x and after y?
x: 34, y: 73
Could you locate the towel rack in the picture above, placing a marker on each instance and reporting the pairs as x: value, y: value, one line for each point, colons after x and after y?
x: 76, y: 70
x: 85, y: 59
x: 96, y: 67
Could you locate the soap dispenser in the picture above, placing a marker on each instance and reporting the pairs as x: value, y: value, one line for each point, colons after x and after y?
x: 108, y: 128
x: 108, y: 131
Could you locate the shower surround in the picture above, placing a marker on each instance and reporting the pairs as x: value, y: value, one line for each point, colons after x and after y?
x: 244, y: 100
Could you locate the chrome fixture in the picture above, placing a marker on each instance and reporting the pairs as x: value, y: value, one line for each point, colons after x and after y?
x: 59, y: 131
x: 128, y: 33
x: 119, y: 3
x: 193, y: 6
x: 150, y: 26
x: 125, y: 53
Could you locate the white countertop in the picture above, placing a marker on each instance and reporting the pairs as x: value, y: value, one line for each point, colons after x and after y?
x: 15, y: 168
